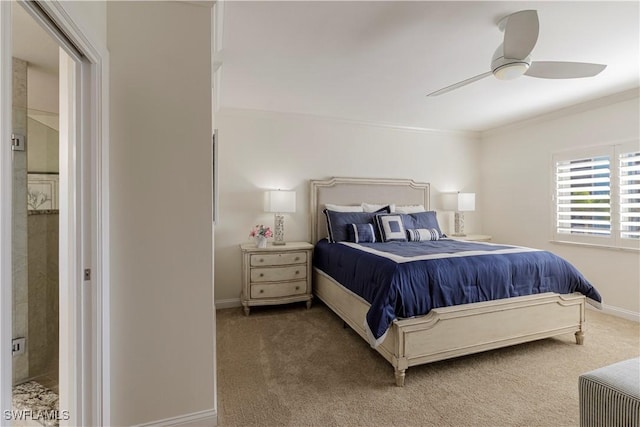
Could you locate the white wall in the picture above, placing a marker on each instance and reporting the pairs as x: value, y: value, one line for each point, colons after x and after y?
x: 260, y: 151
x: 162, y: 318
x: 517, y: 187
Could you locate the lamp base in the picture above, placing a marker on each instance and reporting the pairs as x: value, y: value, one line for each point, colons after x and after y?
x: 458, y: 229
x: 279, y: 230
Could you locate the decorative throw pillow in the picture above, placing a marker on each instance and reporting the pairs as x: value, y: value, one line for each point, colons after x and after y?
x: 361, y: 233
x: 423, y: 234
x: 422, y: 220
x: 391, y: 228
x: 338, y: 223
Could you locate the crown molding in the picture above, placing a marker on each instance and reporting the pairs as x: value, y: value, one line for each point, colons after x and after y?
x: 566, y: 111
x: 382, y: 125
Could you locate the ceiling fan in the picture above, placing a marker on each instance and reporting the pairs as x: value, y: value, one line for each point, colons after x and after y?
x: 511, y: 59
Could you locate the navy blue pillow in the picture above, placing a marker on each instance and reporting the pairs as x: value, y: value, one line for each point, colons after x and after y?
x: 338, y: 222
x: 422, y: 220
x: 361, y: 233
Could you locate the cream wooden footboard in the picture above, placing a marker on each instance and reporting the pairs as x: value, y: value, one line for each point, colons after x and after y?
x: 444, y: 332
x: 464, y: 329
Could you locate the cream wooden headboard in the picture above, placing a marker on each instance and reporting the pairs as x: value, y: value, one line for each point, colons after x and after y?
x: 354, y: 191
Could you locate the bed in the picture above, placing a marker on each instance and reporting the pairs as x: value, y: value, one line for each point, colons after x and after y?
x: 441, y: 332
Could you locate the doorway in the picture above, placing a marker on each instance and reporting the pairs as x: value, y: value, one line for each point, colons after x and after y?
x: 35, y: 221
x: 82, y: 209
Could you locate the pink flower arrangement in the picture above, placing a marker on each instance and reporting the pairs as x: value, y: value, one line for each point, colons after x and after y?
x: 261, y: 230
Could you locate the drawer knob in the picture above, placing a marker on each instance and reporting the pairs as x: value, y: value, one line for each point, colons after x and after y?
x: 261, y: 274
x: 297, y: 258
x: 297, y: 272
x: 297, y: 288
x: 261, y: 291
x: 261, y: 260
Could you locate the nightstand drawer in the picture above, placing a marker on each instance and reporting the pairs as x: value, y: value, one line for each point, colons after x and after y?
x: 258, y: 260
x: 278, y: 289
x: 278, y: 274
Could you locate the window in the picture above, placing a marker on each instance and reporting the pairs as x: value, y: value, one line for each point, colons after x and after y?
x: 597, y: 196
x: 629, y: 195
x: 583, y: 196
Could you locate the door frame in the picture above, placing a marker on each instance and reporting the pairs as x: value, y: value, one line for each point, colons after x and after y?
x: 88, y: 347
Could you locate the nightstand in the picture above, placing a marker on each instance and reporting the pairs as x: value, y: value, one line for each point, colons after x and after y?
x: 276, y: 274
x: 473, y: 238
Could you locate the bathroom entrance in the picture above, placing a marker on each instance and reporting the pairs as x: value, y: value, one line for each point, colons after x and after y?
x: 36, y: 218
x: 53, y: 210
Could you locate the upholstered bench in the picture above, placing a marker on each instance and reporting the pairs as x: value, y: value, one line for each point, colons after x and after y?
x: 610, y: 396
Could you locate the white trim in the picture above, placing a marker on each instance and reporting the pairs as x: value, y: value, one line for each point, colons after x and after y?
x: 565, y: 111
x: 228, y: 303
x: 96, y: 68
x: 593, y: 245
x: 619, y: 312
x: 71, y: 242
x: 306, y: 116
x: 208, y: 418
x: 6, y: 191
x: 216, y: 38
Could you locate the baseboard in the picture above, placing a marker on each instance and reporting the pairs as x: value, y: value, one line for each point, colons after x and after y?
x: 618, y: 312
x: 208, y: 418
x: 228, y: 303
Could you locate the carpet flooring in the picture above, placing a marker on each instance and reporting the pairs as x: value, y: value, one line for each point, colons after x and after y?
x: 289, y: 366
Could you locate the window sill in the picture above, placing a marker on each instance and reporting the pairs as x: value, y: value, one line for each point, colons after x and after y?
x: 596, y: 246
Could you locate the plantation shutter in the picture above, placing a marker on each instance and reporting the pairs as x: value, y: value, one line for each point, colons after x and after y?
x: 583, y: 196
x: 629, y: 171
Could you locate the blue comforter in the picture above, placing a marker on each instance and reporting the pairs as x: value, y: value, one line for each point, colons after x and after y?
x: 407, y: 279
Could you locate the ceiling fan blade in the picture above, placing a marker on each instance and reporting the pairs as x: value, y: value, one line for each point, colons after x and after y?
x: 460, y: 84
x: 563, y: 70
x: 520, y: 34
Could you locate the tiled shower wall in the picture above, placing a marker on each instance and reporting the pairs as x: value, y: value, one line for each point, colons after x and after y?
x: 19, y: 239
x: 43, y: 293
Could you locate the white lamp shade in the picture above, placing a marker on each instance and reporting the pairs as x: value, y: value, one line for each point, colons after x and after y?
x: 466, y: 202
x: 279, y: 201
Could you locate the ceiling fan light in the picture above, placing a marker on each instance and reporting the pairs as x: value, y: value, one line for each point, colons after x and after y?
x: 511, y: 71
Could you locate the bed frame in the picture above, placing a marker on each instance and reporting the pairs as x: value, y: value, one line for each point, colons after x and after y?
x: 447, y: 332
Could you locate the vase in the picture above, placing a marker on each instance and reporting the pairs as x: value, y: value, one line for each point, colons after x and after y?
x: 261, y: 242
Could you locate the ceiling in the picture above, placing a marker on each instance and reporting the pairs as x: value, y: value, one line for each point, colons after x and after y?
x: 32, y: 44
x: 376, y: 61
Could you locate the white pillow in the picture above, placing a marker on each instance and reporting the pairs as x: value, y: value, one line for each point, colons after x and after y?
x: 343, y: 208
x: 409, y: 209
x: 391, y: 227
x: 422, y: 234
x: 374, y: 207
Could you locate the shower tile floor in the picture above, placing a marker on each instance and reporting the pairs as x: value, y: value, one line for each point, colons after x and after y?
x: 35, y: 397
